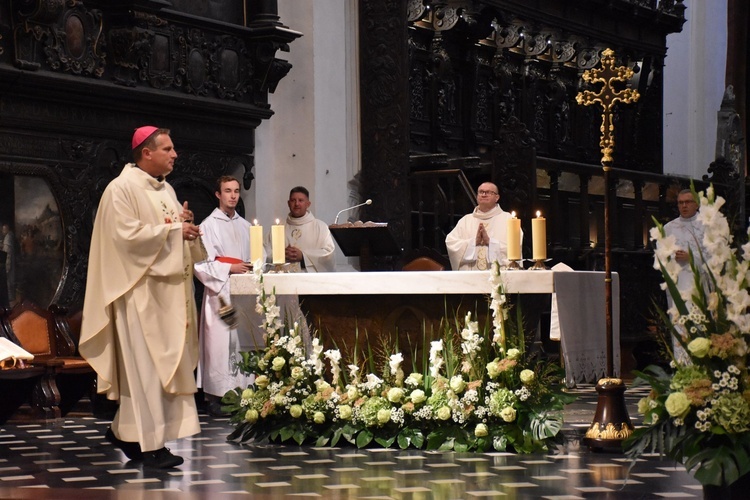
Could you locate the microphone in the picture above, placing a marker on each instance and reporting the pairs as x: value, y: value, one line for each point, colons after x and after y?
x: 336, y: 220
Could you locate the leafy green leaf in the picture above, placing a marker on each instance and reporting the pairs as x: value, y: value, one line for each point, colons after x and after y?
x: 364, y: 438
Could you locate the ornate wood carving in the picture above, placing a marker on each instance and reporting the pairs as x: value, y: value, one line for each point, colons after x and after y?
x: 78, y: 76
x: 385, y: 106
x: 482, y: 62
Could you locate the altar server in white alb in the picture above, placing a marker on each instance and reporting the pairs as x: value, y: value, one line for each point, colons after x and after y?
x: 481, y: 237
x: 226, y: 238
x: 139, y: 328
x: 309, y: 245
x: 688, y: 232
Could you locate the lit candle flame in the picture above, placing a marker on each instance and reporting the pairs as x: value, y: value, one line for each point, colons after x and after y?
x: 538, y: 213
x: 277, y: 222
x: 513, y: 214
x: 255, y: 222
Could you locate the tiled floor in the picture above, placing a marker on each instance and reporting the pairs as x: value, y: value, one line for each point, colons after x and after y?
x: 73, y: 461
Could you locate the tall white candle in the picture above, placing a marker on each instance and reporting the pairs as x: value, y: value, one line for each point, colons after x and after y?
x: 539, y: 237
x: 514, y: 238
x: 256, y: 241
x: 277, y: 243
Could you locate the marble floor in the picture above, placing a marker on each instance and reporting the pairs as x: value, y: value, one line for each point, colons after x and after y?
x: 73, y: 461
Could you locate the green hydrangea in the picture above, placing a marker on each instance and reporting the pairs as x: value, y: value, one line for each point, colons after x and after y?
x: 368, y: 412
x: 685, y: 377
x: 500, y: 399
x: 257, y: 400
x: 731, y: 411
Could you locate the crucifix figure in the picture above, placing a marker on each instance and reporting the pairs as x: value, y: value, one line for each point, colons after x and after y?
x: 611, y: 422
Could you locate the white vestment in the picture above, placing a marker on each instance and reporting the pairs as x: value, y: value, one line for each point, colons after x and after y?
x: 313, y: 237
x: 139, y: 320
x: 688, y: 234
x: 220, y: 346
x: 463, y: 251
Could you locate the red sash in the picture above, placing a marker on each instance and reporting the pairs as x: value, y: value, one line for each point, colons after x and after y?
x: 229, y: 260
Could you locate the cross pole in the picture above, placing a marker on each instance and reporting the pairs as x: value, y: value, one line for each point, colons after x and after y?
x: 611, y: 422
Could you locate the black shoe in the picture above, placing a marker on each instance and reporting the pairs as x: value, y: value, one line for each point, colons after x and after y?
x: 131, y: 450
x: 213, y: 408
x: 161, y: 459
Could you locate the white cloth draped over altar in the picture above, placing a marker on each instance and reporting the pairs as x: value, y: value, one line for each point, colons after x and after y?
x: 579, y: 296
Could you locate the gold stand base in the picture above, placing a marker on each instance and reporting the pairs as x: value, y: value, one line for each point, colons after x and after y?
x: 514, y: 265
x: 611, y: 425
x: 539, y: 266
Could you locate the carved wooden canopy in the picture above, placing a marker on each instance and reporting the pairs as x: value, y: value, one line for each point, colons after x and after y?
x: 78, y: 76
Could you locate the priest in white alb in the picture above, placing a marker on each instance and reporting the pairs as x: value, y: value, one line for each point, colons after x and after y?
x: 481, y: 237
x: 688, y: 232
x: 309, y: 244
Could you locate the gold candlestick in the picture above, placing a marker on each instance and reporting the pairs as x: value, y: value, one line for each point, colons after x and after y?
x: 515, y: 265
x: 539, y: 265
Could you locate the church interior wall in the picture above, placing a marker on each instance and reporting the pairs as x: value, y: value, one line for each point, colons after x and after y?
x: 693, y: 88
x: 312, y: 138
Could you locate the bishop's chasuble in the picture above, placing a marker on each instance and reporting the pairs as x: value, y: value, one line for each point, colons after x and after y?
x: 139, y: 318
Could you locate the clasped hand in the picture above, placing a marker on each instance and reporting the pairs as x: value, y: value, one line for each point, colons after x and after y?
x: 482, y: 237
x: 292, y: 254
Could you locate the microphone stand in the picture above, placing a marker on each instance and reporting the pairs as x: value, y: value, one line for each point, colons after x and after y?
x: 336, y: 220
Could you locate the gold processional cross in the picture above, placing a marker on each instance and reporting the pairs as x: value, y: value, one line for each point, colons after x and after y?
x: 607, y: 97
x: 611, y: 423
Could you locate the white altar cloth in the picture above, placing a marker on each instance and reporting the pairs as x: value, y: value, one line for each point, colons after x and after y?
x: 579, y: 295
x: 398, y: 282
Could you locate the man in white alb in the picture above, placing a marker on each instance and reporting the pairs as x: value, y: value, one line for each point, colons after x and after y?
x: 226, y: 238
x: 309, y: 245
x: 481, y: 237
x: 688, y: 232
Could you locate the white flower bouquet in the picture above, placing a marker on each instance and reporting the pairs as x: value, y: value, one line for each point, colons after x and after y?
x: 477, y: 390
x: 699, y: 413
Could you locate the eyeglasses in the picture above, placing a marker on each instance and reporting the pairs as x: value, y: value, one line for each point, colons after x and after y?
x: 685, y: 202
x: 488, y: 193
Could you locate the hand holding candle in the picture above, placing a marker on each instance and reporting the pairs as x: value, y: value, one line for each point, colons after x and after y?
x: 277, y: 243
x: 256, y: 241
x: 514, y: 238
x: 539, y: 237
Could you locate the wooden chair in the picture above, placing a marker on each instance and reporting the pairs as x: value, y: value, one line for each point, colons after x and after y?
x: 425, y: 259
x: 67, y: 376
x: 33, y: 385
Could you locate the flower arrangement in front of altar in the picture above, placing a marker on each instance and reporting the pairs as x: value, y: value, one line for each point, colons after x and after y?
x: 473, y: 391
x: 699, y: 413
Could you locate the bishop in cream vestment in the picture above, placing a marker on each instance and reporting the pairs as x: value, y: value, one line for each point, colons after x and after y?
x: 139, y: 317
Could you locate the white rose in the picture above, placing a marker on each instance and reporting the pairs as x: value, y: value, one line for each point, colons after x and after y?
x: 262, y: 381
x: 345, y: 412
x: 384, y: 416
x: 508, y: 414
x: 481, y: 430
x: 251, y: 416
x: 278, y: 363
x: 417, y: 396
x: 395, y: 394
x: 513, y: 354
x: 457, y: 384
